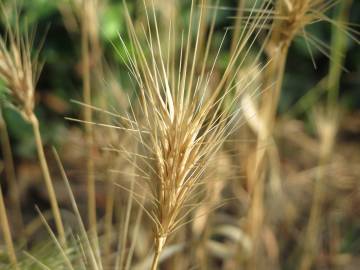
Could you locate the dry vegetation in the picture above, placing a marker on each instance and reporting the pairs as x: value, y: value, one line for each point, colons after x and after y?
x: 187, y: 165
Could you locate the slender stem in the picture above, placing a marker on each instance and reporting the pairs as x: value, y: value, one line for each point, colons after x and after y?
x: 108, y: 219
x: 155, y: 261
x: 274, y: 75
x: 160, y: 243
x: 339, y: 44
x: 10, y: 173
x: 7, y: 233
x: 327, y: 143
x: 338, y: 50
x: 88, y: 118
x: 48, y: 182
x: 90, y: 168
x: 237, y: 26
x: 314, y: 219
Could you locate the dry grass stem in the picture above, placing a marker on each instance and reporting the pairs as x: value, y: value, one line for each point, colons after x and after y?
x: 7, y: 233
x: 86, y: 70
x: 10, y: 174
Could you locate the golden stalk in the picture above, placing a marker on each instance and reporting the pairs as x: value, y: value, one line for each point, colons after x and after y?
x: 48, y: 182
x: 10, y: 173
x: 327, y: 126
x: 7, y: 233
x: 86, y: 71
x: 159, y: 247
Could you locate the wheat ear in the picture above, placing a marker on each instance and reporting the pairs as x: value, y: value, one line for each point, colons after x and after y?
x: 185, y: 119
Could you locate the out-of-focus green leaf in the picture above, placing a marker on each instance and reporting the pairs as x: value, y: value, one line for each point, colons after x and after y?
x: 37, y: 10
x: 112, y: 22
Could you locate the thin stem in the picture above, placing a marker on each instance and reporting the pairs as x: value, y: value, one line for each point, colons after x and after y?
x: 155, y: 261
x: 7, y: 233
x: 160, y: 243
x: 274, y: 75
x: 327, y: 143
x: 10, y: 173
x: 88, y: 119
x: 89, y: 139
x: 270, y: 100
x: 46, y: 174
x: 313, y: 225
x: 237, y: 26
x: 338, y: 50
x: 108, y: 218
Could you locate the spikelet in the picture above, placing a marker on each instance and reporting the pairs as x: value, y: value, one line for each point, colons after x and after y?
x: 19, y: 70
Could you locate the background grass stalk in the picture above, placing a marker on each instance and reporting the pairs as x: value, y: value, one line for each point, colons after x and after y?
x: 46, y: 173
x: 338, y: 52
x: 7, y: 234
x: 108, y: 218
x: 312, y: 230
x: 88, y: 119
x: 237, y: 25
x: 339, y: 44
x: 10, y: 174
x: 274, y: 75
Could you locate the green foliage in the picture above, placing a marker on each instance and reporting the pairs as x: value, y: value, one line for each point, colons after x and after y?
x: 112, y: 22
x: 39, y: 10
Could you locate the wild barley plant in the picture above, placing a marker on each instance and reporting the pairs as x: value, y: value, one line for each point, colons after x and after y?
x: 19, y: 69
x: 185, y: 119
x: 290, y: 19
x: 326, y: 121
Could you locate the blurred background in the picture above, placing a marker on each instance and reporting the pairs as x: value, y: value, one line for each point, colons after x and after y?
x: 60, y: 83
x: 60, y: 80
